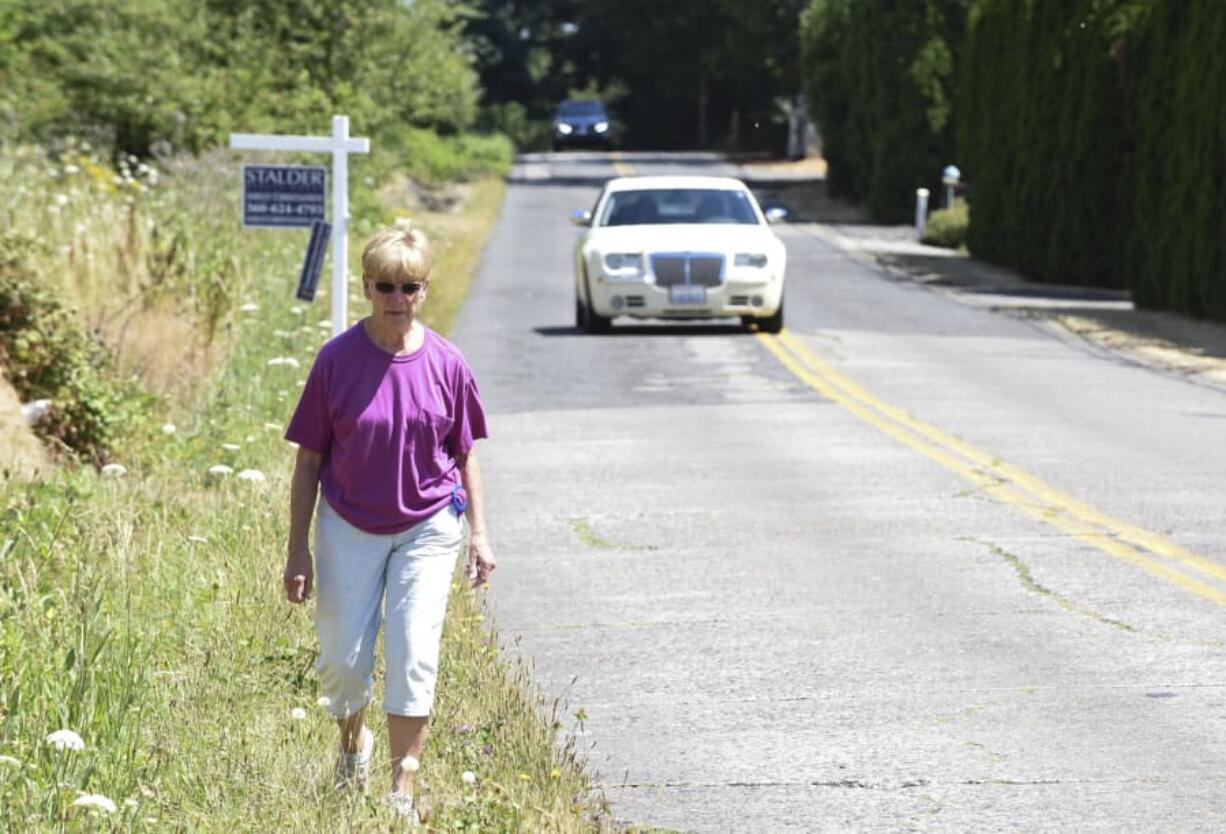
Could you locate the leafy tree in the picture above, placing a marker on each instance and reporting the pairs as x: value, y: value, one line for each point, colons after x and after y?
x: 678, y: 74
x: 881, y: 77
x: 137, y: 72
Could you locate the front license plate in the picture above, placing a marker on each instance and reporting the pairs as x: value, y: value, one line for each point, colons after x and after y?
x: 685, y: 294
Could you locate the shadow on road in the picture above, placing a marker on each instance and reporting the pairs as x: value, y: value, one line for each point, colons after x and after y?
x: 973, y: 276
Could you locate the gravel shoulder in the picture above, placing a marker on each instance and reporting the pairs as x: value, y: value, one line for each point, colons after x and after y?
x: 1104, y: 319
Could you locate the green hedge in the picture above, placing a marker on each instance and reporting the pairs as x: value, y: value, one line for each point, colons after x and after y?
x: 1042, y: 136
x: 1094, y: 135
x: 881, y: 80
x: 1177, y: 258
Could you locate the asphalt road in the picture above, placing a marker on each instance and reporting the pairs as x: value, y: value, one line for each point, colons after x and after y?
x: 913, y: 565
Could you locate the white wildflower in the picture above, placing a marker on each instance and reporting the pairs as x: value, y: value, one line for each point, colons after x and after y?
x: 288, y: 361
x: 220, y: 469
x: 325, y: 325
x: 95, y: 800
x: 297, y: 713
x: 272, y: 426
x: 324, y: 701
x: 35, y: 410
x: 282, y: 334
x: 468, y: 777
x: 65, y: 740
x: 198, y: 539
x: 152, y: 179
x: 61, y: 199
x: 249, y: 308
x: 297, y: 311
x: 114, y: 470
x: 71, y: 169
x: 253, y: 475
x: 9, y: 760
x: 231, y: 447
x: 169, y: 428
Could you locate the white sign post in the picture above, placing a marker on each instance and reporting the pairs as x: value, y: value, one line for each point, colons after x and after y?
x: 340, y: 145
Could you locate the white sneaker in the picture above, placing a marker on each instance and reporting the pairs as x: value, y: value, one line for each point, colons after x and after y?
x: 353, y: 769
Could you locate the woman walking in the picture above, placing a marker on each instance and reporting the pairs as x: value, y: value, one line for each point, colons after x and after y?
x: 385, y: 429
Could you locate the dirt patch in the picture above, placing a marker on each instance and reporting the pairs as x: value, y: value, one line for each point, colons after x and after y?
x: 1185, y: 346
x: 402, y: 191
x: 21, y: 453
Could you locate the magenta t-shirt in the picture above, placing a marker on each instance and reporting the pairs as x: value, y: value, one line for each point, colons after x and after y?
x: 389, y: 427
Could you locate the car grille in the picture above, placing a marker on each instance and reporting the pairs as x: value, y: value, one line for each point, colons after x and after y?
x: 702, y: 270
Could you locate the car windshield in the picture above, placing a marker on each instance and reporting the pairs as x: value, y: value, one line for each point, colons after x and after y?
x: 677, y: 205
x: 581, y: 108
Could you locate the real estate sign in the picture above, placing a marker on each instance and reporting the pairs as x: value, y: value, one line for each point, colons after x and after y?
x: 280, y: 196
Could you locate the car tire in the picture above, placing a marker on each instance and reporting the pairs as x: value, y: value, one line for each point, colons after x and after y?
x: 774, y: 322
x: 597, y: 323
x: 580, y: 313
x: 592, y: 323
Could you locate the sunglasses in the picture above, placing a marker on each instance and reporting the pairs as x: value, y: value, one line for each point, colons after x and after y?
x: 408, y: 287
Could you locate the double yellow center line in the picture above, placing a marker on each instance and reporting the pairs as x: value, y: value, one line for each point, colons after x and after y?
x: 1003, y: 482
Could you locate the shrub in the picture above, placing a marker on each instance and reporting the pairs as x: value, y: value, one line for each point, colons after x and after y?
x: 46, y: 356
x: 947, y: 227
x: 433, y: 160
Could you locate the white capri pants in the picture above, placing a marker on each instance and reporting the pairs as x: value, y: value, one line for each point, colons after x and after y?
x: 354, y: 571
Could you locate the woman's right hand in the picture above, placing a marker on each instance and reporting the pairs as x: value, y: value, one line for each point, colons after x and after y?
x: 299, y: 577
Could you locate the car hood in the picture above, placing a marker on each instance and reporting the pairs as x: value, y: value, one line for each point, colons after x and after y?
x: 683, y: 237
x: 580, y: 120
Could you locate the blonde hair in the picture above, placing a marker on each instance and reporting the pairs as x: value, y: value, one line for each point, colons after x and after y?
x: 397, y: 253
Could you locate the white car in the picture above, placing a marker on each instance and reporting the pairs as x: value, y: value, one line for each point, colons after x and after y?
x: 678, y: 248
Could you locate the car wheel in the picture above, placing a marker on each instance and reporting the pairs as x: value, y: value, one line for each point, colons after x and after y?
x: 592, y: 323
x: 596, y: 323
x: 580, y: 313
x: 772, y: 323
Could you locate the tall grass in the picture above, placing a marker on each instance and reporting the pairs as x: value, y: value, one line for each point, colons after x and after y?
x: 145, y: 612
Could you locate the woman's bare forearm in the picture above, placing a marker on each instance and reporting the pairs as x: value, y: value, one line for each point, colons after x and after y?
x: 470, y: 474
x: 304, y: 489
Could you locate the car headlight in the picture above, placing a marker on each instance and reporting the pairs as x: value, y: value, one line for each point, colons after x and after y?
x: 754, y: 259
x: 600, y: 127
x: 624, y: 264
x: 564, y: 128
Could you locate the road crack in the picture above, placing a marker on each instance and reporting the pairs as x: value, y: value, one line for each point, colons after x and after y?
x: 1027, y: 580
x: 583, y: 529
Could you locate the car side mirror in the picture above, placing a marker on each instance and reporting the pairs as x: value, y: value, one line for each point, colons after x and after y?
x: 776, y: 214
x: 581, y: 218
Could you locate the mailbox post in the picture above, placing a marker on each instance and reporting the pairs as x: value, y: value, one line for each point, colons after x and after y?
x: 951, y: 176
x: 921, y: 211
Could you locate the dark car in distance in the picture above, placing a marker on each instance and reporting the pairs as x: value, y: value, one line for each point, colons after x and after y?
x: 582, y: 123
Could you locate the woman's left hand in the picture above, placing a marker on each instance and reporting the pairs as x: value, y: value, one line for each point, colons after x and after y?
x: 481, y: 561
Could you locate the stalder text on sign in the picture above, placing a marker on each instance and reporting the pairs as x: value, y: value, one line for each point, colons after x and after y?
x: 282, y: 196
